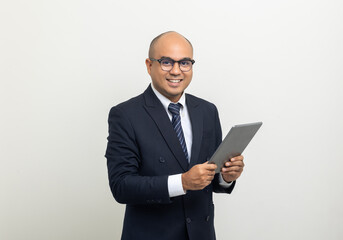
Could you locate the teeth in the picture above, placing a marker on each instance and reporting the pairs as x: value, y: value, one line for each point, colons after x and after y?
x: 174, y: 81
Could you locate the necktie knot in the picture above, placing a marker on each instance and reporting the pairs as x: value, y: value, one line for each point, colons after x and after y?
x: 174, y: 108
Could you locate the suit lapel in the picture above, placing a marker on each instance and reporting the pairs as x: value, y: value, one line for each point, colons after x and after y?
x: 157, y: 112
x: 196, y: 117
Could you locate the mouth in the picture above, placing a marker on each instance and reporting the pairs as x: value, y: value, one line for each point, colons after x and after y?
x: 174, y: 80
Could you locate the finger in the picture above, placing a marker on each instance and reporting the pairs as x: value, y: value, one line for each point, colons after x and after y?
x: 210, y: 166
x: 232, y: 169
x: 231, y: 174
x: 236, y: 163
x: 237, y: 158
x: 209, y: 179
x: 225, y: 170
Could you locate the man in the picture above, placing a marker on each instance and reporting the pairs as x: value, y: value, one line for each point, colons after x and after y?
x: 158, y: 147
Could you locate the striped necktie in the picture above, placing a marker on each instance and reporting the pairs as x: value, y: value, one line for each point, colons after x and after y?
x: 174, y: 109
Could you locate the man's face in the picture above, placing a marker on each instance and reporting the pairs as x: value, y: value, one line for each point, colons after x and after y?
x: 170, y: 84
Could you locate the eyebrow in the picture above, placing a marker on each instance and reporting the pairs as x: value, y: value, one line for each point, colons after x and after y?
x: 183, y: 59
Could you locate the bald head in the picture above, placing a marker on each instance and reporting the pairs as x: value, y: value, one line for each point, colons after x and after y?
x: 168, y: 36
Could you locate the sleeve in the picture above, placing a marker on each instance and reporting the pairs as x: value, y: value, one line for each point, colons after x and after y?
x: 123, y: 163
x: 223, y: 183
x: 217, y: 187
x: 175, y: 187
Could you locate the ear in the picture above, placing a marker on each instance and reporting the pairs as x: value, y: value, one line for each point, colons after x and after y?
x: 148, y: 64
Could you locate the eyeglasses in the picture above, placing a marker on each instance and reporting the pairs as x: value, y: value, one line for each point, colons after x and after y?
x: 167, y: 64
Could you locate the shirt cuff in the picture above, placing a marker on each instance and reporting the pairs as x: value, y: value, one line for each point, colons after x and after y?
x: 222, y: 182
x: 175, y: 187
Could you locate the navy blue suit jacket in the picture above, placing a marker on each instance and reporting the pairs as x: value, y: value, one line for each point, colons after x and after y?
x: 143, y: 150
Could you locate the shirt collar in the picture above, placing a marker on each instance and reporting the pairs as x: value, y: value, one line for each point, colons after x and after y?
x: 165, y: 101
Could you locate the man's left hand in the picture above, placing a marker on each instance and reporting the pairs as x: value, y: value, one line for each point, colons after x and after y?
x: 233, y: 169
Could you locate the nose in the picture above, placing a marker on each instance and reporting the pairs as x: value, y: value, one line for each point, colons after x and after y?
x: 176, y: 69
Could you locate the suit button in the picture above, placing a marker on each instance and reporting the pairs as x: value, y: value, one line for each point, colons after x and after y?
x: 162, y: 160
x: 207, y: 218
x: 188, y: 220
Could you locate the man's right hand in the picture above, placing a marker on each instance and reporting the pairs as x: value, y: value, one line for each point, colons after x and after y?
x: 198, y: 177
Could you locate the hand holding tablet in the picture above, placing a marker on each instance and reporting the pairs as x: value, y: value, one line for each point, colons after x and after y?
x: 234, y: 143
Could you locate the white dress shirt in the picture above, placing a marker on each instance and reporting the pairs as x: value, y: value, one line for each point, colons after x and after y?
x: 175, y: 187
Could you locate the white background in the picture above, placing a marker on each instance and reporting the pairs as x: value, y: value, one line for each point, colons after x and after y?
x: 64, y: 64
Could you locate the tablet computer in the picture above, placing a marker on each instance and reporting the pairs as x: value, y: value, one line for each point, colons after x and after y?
x: 234, y: 143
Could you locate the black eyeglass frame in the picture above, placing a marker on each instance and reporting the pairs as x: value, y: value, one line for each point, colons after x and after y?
x: 167, y: 58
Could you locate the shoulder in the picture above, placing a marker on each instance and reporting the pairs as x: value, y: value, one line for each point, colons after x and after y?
x: 196, y: 101
x: 129, y: 106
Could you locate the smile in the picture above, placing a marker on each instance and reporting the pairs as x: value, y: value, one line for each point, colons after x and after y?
x: 174, y: 80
